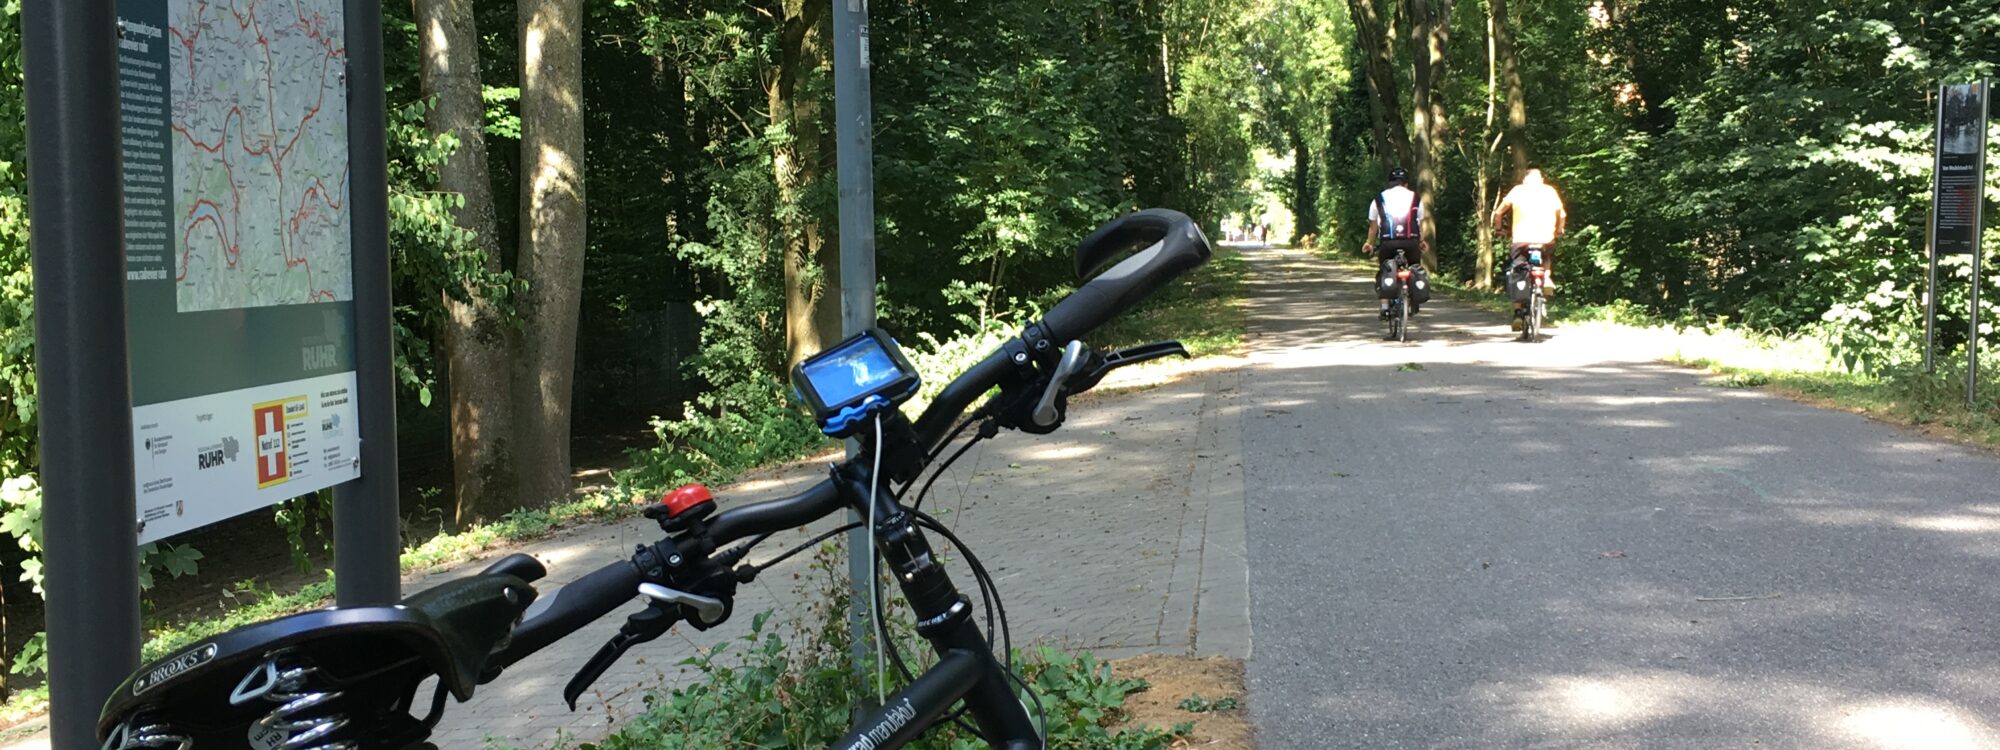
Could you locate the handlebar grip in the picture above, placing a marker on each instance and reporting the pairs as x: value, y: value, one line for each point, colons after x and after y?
x: 576, y: 604
x: 1178, y: 245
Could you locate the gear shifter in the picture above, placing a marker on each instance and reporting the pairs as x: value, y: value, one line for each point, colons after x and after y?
x: 1047, y: 414
x: 709, y: 610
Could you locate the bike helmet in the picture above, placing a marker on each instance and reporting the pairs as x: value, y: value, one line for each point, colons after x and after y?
x: 1399, y: 174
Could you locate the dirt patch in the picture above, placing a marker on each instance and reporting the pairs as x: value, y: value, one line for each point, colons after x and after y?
x: 1213, y: 684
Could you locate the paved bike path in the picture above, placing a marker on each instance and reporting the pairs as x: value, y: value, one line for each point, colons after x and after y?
x: 1466, y: 542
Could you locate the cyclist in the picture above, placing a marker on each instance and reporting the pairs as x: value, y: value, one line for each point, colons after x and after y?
x: 1395, y: 223
x: 1539, y: 219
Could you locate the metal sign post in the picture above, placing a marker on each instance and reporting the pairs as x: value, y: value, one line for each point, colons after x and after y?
x: 855, y: 154
x: 1931, y: 279
x: 367, y: 538
x: 1984, y: 98
x: 77, y: 225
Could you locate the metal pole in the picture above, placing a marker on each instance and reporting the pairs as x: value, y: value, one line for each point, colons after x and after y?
x: 1930, y: 241
x: 1978, y: 244
x: 367, y: 542
x: 853, y: 113
x: 77, y: 232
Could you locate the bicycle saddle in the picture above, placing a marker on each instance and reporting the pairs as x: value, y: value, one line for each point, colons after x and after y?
x: 295, y: 674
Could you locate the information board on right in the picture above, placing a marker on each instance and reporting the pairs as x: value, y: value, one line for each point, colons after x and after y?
x: 1961, y: 151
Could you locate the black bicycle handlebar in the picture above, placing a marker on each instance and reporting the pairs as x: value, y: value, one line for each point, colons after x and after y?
x: 1177, y: 246
x: 574, y: 605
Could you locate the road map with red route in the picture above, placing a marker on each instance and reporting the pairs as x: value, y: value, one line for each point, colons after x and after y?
x: 259, y: 117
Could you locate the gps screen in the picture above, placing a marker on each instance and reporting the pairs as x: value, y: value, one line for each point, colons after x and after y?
x: 852, y: 371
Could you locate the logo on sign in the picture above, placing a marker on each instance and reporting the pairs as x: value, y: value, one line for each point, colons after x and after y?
x: 274, y: 465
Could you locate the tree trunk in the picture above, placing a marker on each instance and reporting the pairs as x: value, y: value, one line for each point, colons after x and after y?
x: 1482, y: 214
x: 812, y: 252
x: 1166, y: 165
x: 1305, y: 197
x: 475, y: 330
x: 1517, y: 97
x: 551, y: 243
x: 1378, y: 52
x: 1430, y: 24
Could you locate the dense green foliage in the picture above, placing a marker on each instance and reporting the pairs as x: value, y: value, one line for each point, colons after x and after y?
x: 1005, y: 132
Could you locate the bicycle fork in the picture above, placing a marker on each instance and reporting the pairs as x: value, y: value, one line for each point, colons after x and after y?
x: 966, y: 669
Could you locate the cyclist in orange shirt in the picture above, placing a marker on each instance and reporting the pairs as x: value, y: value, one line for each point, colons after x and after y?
x: 1539, y: 219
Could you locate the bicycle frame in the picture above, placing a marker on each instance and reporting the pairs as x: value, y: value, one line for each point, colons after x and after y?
x: 966, y: 670
x: 911, y: 711
x: 1399, y: 321
x: 1532, y: 328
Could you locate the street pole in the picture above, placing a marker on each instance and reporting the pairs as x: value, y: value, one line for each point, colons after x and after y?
x: 367, y: 538
x: 77, y: 232
x: 855, y: 155
x: 1931, y: 244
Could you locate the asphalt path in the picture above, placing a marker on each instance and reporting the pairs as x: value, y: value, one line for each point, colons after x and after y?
x: 1468, y: 542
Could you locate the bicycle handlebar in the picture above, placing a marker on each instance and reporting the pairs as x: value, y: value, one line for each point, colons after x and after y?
x: 574, y: 605
x: 1177, y: 246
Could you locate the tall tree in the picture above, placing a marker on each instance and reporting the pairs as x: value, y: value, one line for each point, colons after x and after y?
x: 1372, y: 31
x: 1305, y: 191
x: 475, y: 331
x: 799, y: 157
x: 550, y: 259
x: 1503, y: 68
x: 1482, y: 277
x: 1430, y: 28
x: 1502, y: 50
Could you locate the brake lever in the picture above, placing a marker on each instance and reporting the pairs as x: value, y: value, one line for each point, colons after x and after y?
x: 1101, y: 366
x: 645, y: 625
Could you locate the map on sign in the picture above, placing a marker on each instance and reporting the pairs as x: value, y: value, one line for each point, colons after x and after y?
x: 259, y: 114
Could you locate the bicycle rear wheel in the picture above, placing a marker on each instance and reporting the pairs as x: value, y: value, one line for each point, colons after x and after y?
x: 1535, y: 313
x: 1403, y: 316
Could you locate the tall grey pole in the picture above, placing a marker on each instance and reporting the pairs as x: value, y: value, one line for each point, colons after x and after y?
x: 1930, y: 245
x: 77, y: 232
x: 1978, y: 245
x: 853, y: 113
x: 367, y: 539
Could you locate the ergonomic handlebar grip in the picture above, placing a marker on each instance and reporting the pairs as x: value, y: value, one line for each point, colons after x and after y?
x: 1177, y: 246
x: 576, y: 604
